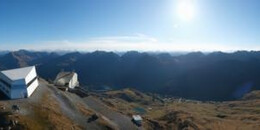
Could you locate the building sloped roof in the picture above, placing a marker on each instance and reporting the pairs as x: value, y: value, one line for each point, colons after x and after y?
x: 64, y: 77
x: 19, y: 73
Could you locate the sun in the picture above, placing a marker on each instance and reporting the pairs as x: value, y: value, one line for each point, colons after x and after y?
x: 186, y: 10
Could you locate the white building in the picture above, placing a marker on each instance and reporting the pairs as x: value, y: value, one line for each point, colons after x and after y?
x: 19, y: 83
x: 67, y: 79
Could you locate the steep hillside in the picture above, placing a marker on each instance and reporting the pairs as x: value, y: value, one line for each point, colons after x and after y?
x: 24, y: 58
x: 254, y: 95
x: 50, y: 108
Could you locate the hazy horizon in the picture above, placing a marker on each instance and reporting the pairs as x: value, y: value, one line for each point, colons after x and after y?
x: 173, y: 53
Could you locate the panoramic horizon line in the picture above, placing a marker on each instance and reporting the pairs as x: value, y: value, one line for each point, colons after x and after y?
x: 137, y: 42
x: 183, y: 52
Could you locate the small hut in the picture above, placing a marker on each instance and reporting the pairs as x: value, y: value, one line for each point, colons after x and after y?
x: 67, y: 79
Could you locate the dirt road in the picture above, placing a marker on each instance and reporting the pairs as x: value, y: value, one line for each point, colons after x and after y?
x: 123, y: 122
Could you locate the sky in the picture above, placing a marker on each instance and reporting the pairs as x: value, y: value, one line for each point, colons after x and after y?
x: 122, y: 25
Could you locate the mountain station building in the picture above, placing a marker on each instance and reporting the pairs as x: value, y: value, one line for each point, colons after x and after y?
x: 19, y: 83
x: 67, y: 79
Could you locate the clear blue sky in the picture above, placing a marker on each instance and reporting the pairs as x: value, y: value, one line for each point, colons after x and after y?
x: 121, y: 25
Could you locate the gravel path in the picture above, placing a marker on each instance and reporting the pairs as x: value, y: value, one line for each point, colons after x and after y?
x: 123, y: 122
x: 67, y: 103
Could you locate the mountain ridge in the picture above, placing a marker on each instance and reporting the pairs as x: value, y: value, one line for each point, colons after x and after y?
x: 212, y: 76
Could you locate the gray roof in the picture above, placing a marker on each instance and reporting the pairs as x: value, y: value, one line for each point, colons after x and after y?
x: 19, y: 73
x: 65, y: 76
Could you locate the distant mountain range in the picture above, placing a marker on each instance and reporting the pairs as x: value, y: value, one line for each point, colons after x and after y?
x: 213, y: 76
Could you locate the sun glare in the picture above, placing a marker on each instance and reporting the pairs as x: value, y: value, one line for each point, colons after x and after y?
x: 186, y: 10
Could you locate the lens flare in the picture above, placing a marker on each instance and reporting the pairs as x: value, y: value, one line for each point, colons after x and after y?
x: 186, y: 10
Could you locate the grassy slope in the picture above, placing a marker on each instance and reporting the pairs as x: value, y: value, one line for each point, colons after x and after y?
x: 175, y: 114
x: 43, y: 110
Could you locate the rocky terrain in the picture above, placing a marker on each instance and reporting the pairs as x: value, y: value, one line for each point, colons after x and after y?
x: 161, y: 113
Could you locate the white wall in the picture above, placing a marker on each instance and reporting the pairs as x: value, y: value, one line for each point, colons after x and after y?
x: 18, y: 92
x: 31, y: 75
x: 29, y: 78
x: 32, y: 87
x: 18, y: 89
x: 74, y: 81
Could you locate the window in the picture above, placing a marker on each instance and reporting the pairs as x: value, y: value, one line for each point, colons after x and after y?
x: 5, y: 83
x: 28, y: 85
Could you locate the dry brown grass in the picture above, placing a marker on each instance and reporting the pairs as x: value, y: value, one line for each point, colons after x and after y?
x: 208, y: 116
x: 51, y: 111
x: 105, y: 124
x: 235, y: 115
x: 47, y: 115
x: 86, y: 112
x: 101, y: 121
